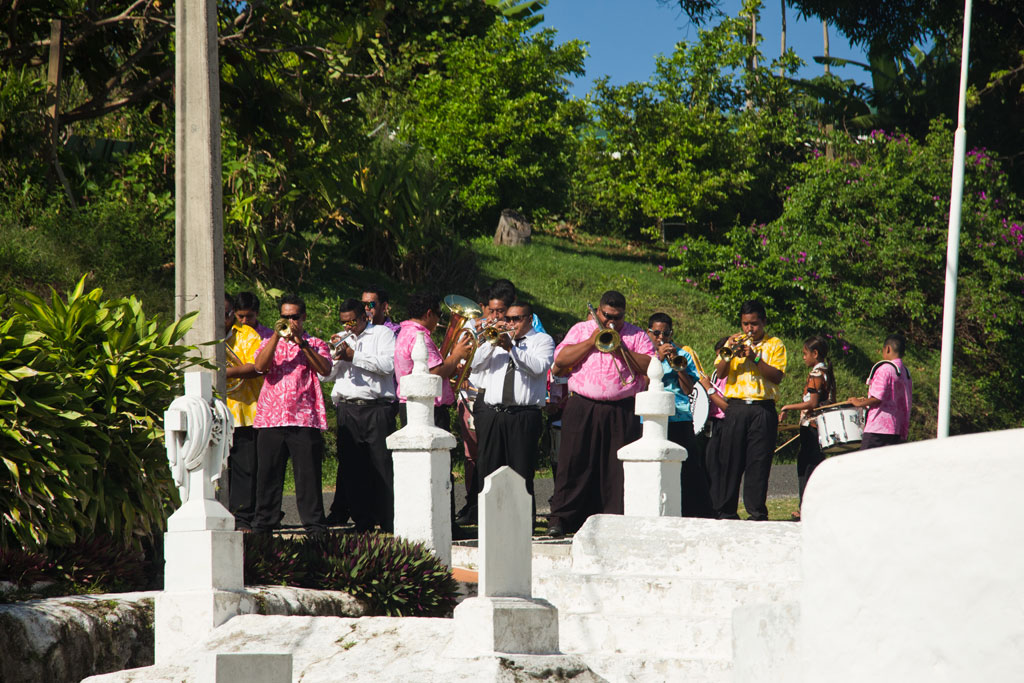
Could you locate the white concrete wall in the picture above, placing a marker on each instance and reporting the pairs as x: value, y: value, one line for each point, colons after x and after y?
x: 913, y: 563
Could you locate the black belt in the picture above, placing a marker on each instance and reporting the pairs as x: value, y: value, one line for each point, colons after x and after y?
x: 367, y: 401
x: 752, y: 401
x: 510, y: 407
x: 612, y: 402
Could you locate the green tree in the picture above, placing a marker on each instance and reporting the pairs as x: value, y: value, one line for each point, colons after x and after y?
x: 498, y: 119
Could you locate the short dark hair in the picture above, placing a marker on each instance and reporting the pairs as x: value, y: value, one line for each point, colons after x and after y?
x: 247, y: 301
x: 350, y: 306
x: 660, y: 318
x: 613, y: 299
x: 503, y: 290
x: 897, y: 342
x: 382, y: 295
x: 294, y: 300
x: 522, y: 304
x: 720, y: 343
x: 753, y: 306
x: 229, y: 300
x: 421, y: 303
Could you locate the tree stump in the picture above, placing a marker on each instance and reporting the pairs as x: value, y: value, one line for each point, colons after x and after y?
x: 513, y: 229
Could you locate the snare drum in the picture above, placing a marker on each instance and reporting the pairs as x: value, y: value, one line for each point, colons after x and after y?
x: 840, y: 428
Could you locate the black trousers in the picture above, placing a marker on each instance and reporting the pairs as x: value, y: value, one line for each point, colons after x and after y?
x: 876, y: 440
x: 745, y: 453
x: 809, y: 457
x: 366, y: 473
x: 305, y: 446
x: 589, y: 479
x: 693, y: 477
x: 507, y: 437
x: 242, y: 477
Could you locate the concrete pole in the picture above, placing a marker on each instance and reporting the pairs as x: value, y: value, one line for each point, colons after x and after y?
x: 199, y: 210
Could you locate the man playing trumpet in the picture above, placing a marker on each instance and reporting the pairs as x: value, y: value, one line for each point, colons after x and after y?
x: 598, y: 418
x: 290, y: 419
x: 366, y: 406
x: 754, y: 364
x: 680, y: 375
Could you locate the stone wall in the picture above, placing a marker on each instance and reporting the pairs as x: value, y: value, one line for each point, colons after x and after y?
x: 70, y: 638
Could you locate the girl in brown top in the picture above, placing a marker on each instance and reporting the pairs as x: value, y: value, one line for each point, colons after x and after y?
x: 819, y: 390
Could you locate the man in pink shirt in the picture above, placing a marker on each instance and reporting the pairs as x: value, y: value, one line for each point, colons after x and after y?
x: 598, y: 418
x: 290, y: 420
x: 890, y: 391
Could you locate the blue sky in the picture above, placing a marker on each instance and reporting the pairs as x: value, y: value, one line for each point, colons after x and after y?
x: 625, y: 35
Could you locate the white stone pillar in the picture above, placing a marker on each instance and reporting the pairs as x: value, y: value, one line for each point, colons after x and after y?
x: 422, y: 457
x: 652, y: 465
x: 203, y: 583
x: 505, y: 617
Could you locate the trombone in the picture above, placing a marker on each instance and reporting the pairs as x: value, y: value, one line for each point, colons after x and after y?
x: 609, y: 341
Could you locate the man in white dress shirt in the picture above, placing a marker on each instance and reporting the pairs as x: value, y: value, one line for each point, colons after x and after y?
x: 513, y: 378
x: 366, y: 405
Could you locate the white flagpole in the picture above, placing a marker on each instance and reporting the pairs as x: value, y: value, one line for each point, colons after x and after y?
x: 953, y: 243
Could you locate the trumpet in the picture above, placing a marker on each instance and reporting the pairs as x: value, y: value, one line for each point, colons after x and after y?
x: 336, y: 344
x: 609, y: 341
x: 677, y: 362
x: 283, y: 328
x: 730, y: 350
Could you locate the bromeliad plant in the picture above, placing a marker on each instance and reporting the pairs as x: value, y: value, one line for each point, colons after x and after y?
x: 83, y: 383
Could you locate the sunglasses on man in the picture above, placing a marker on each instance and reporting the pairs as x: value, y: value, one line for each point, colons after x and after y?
x: 293, y: 316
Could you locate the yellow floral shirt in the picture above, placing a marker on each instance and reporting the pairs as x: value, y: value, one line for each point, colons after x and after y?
x: 745, y: 381
x: 243, y: 341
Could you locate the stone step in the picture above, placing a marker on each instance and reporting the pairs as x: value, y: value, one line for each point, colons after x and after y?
x: 686, y: 547
x: 548, y: 555
x: 654, y: 595
x: 650, y: 669
x: 704, y: 638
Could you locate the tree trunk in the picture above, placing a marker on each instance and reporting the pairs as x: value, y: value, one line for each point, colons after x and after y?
x: 824, y: 31
x: 782, y: 50
x: 513, y: 229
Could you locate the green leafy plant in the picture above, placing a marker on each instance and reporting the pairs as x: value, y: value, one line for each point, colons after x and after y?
x: 393, y: 576
x: 100, y: 564
x: 83, y: 387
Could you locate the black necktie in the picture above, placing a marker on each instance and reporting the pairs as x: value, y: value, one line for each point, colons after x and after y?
x: 508, y: 392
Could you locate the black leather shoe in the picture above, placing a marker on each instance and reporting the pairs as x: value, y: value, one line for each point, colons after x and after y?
x: 555, y: 529
x: 467, y: 515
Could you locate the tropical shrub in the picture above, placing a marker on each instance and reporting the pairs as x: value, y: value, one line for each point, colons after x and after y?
x: 83, y: 385
x: 863, y: 238
x: 392, y: 576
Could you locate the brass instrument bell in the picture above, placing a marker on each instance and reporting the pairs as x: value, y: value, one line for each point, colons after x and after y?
x: 283, y: 328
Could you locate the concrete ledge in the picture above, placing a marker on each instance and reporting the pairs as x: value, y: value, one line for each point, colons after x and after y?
x: 69, y: 638
x: 686, y: 547
x: 372, y: 649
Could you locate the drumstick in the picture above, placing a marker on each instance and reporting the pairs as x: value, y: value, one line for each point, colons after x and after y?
x: 787, y: 443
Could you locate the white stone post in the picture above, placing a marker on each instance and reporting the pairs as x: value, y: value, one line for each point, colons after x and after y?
x: 422, y: 457
x: 652, y: 465
x: 505, y: 617
x: 203, y: 553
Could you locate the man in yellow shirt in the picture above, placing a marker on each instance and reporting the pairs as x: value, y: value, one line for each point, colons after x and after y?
x: 244, y: 385
x: 757, y: 366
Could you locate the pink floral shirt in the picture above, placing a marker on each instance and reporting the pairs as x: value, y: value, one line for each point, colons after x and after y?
x: 894, y: 390
x: 403, y: 359
x: 291, y: 395
x: 599, y: 375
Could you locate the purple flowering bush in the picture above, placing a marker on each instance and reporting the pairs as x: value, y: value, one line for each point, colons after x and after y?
x: 862, y: 237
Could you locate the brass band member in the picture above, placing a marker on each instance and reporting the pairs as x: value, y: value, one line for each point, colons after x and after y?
x: 598, y: 418
x: 244, y: 386
x: 512, y: 376
x: 696, y: 500
x: 290, y: 419
x: 754, y: 371
x: 366, y: 406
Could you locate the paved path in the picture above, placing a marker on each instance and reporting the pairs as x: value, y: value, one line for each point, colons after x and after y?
x: 782, y: 484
